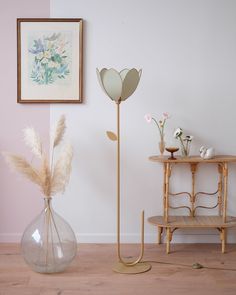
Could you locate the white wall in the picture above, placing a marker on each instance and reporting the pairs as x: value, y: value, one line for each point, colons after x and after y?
x: 187, y: 50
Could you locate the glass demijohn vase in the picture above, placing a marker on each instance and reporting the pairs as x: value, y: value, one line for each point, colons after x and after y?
x: 48, y: 244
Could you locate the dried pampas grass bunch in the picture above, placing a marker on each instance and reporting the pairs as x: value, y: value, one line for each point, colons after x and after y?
x: 51, y: 179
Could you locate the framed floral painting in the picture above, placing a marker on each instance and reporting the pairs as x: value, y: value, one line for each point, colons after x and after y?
x: 49, y: 60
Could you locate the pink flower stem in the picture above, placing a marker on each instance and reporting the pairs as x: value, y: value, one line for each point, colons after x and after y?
x: 159, y: 128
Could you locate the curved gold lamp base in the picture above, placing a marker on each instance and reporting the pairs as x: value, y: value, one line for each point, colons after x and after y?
x: 135, y: 269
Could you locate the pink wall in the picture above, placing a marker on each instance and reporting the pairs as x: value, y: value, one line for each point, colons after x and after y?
x: 20, y: 201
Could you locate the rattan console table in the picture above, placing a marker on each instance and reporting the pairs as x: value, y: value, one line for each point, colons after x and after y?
x: 170, y: 223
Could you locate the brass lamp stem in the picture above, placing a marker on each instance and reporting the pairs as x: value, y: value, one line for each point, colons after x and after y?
x: 118, y: 180
x: 118, y: 202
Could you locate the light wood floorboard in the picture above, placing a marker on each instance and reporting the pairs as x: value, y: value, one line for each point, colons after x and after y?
x: 91, y: 272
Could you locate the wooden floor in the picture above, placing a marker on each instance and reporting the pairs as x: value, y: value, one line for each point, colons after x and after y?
x: 91, y: 272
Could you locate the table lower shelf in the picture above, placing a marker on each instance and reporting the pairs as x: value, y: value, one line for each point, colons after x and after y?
x: 193, y: 222
x: 175, y: 222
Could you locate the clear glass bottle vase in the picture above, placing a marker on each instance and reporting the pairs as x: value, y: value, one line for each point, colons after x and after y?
x: 48, y: 244
x: 185, y: 150
x: 162, y: 146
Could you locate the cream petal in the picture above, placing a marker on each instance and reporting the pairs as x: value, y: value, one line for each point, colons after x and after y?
x: 112, y: 84
x: 100, y: 75
x: 140, y: 73
x: 123, y: 73
x: 130, y: 83
x: 102, y: 72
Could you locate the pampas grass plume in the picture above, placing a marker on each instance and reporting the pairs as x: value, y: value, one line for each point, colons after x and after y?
x: 21, y: 165
x: 62, y: 169
x: 51, y: 181
x: 60, y: 130
x: 33, y: 141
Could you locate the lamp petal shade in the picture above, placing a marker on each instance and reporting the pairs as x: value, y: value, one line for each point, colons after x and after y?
x: 119, y: 85
x: 130, y: 83
x: 100, y: 75
x: 123, y: 73
x: 112, y: 84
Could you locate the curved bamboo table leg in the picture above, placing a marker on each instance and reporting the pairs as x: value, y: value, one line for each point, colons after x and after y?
x: 222, y: 237
x: 220, y: 188
x: 193, y: 167
x: 168, y: 239
x: 225, y: 175
x: 164, y: 189
x: 167, y: 172
x: 160, y: 230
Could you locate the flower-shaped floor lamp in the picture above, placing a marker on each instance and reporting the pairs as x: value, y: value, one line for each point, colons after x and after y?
x: 119, y: 86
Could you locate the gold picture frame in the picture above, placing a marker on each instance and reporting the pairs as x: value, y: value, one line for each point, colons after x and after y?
x: 49, y: 60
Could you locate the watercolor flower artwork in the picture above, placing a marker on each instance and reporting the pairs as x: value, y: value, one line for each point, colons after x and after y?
x: 50, y: 58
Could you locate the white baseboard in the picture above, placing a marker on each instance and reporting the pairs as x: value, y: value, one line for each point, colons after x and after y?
x: 152, y: 238
x: 10, y: 238
x: 132, y: 238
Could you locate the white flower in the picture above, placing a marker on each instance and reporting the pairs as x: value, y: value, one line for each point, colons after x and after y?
x: 47, y: 54
x: 188, y: 138
x: 148, y: 118
x: 119, y: 85
x: 178, y: 132
x: 39, y: 55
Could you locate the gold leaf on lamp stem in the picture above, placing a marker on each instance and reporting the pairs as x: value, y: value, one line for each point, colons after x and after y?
x: 111, y: 135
